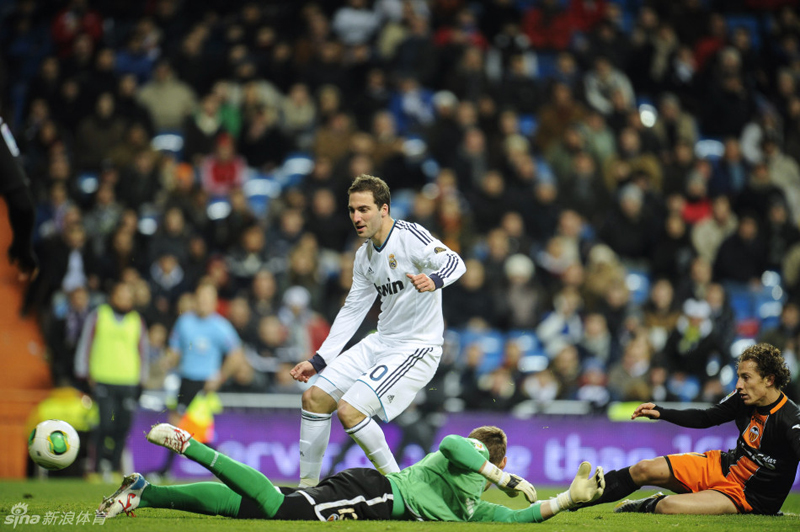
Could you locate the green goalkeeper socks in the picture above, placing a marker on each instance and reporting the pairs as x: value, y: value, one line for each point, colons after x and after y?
x: 209, y: 498
x: 242, y: 479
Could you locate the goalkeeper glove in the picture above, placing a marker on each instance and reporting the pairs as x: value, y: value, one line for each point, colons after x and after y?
x: 513, y: 485
x: 583, y: 489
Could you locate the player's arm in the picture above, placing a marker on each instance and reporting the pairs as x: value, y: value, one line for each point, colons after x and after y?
x: 695, y: 418
x: 446, y: 266
x: 586, y: 487
x: 793, y: 436
x: 464, y: 453
x: 356, y: 306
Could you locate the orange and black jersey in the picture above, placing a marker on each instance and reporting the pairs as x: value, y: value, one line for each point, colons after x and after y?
x: 767, y: 450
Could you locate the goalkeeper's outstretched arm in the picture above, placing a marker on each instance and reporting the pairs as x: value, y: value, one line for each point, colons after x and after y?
x: 584, y: 488
x: 461, y: 452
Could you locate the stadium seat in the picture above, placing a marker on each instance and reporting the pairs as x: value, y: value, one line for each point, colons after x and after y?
x: 544, y: 170
x: 169, y: 141
x: 88, y: 183
x: 709, y: 148
x: 739, y: 345
x: 742, y: 302
x: 643, y: 99
x: 685, y: 388
x: 768, y: 305
x: 627, y: 21
x: 638, y: 282
x: 218, y: 209
x: 402, y: 203
x: 728, y: 377
x: 259, y: 191
x: 546, y: 65
x: 491, y: 342
x: 294, y: 169
x: 750, y: 22
x: 534, y: 357
x: 528, y: 124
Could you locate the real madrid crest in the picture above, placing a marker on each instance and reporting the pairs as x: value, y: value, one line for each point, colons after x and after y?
x: 392, y: 261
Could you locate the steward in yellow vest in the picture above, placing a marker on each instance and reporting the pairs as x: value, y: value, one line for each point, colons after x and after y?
x: 112, y: 357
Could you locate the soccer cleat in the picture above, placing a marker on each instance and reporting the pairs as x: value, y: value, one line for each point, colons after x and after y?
x: 125, y: 499
x: 169, y: 436
x: 639, y: 505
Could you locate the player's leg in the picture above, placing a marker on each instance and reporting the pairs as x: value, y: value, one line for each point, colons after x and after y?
x: 385, y: 390
x: 699, y: 481
x: 366, y: 432
x: 622, y: 482
x: 319, y: 402
x: 707, y: 502
x: 241, y: 478
x: 315, y: 433
x: 362, y: 494
x: 186, y: 393
x: 208, y: 498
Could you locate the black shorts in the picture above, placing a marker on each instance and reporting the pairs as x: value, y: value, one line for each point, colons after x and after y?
x: 358, y: 493
x: 188, y: 390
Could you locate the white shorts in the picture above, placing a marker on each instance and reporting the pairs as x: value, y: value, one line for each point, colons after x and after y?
x: 378, y: 379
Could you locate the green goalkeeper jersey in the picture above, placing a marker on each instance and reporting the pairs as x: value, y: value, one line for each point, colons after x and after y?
x: 446, y: 486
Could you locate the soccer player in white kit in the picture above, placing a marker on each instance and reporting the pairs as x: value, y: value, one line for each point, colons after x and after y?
x: 403, y: 264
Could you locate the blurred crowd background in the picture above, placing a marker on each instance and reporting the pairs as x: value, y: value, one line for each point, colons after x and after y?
x: 621, y: 177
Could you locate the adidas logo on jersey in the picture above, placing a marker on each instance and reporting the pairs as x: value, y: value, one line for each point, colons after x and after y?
x: 389, y: 288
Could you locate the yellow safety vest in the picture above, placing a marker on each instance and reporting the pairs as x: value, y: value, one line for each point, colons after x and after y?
x: 114, y: 356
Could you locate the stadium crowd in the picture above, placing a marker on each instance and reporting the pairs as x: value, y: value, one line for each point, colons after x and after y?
x: 621, y: 176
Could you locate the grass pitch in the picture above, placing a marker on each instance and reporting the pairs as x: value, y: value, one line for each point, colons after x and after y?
x: 76, y: 498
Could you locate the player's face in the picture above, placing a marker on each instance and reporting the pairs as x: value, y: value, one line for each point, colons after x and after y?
x: 752, y: 387
x: 364, y: 214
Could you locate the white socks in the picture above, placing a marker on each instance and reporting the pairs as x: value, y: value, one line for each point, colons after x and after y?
x: 315, y: 431
x: 369, y: 436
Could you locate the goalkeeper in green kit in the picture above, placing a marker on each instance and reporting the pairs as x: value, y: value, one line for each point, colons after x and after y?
x: 444, y: 486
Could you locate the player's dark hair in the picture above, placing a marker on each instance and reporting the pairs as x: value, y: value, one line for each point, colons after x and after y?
x: 495, y: 441
x: 376, y: 185
x: 769, y: 361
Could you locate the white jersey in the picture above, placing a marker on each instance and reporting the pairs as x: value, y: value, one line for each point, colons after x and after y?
x: 407, y: 316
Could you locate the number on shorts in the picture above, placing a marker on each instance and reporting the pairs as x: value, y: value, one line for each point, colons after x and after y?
x: 381, y: 369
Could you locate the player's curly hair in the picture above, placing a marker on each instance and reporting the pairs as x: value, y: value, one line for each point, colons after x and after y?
x: 494, y: 439
x: 376, y: 185
x: 769, y: 361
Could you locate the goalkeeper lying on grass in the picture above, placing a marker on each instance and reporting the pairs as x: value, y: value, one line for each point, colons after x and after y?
x: 444, y: 486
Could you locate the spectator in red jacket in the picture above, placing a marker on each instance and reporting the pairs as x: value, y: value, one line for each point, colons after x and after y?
x: 73, y: 20
x: 223, y: 170
x: 548, y: 26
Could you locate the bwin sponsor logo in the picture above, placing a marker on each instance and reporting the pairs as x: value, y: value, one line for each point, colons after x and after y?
x: 389, y: 288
